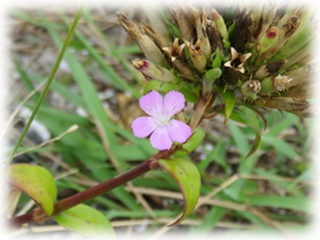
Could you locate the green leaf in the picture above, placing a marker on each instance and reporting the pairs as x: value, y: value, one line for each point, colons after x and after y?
x: 37, y: 182
x: 86, y: 220
x: 212, y: 74
x: 217, y: 58
x: 186, y: 90
x: 189, y: 93
x: 247, y: 116
x: 159, y: 86
x: 187, y: 176
x: 193, y: 142
x: 229, y: 98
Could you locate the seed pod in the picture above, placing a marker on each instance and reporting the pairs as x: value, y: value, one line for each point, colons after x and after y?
x: 220, y: 24
x: 174, y: 53
x: 275, y: 84
x: 287, y: 30
x: 200, y: 21
x: 303, y: 91
x: 242, y: 31
x: 198, y: 58
x: 268, y: 69
x: 237, y: 60
x: 296, y: 42
x: 251, y: 88
x: 158, y: 39
x: 157, y: 21
x: 282, y: 103
x: 265, y: 19
x: 214, y: 35
x: 268, y: 40
x: 184, y: 20
x: 149, y: 48
x: 301, y: 75
x: 153, y: 71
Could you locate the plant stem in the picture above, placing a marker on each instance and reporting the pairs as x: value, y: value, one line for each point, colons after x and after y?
x: 37, y: 215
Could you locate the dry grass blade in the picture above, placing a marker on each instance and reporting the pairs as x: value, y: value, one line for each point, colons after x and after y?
x: 269, y: 221
x: 70, y: 130
x: 176, y: 195
x: 224, y: 185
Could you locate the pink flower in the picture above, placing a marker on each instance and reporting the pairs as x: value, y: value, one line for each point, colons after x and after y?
x: 163, y: 129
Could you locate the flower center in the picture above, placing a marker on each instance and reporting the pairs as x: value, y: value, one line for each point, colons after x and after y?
x: 163, y: 120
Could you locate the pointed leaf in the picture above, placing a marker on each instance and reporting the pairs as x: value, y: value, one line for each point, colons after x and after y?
x: 37, y: 182
x: 229, y: 98
x: 212, y: 74
x: 256, y: 110
x: 186, y: 90
x: 86, y: 220
x: 187, y: 176
x: 246, y: 116
x: 189, y: 93
x: 158, y: 86
x: 193, y: 142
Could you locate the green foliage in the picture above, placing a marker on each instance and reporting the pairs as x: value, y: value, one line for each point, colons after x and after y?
x: 87, y: 221
x: 187, y: 176
x: 193, y: 142
x: 37, y: 182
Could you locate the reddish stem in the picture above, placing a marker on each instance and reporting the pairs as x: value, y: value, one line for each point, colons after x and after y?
x: 37, y: 215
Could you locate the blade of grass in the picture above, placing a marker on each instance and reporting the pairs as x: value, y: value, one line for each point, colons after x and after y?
x: 281, y: 147
x: 46, y: 87
x: 211, y: 219
x: 253, y: 218
x: 286, y: 123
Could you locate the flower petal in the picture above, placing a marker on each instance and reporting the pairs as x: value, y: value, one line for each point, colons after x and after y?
x: 143, y: 126
x: 160, y: 138
x: 174, y: 102
x: 152, y: 104
x: 179, y: 131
